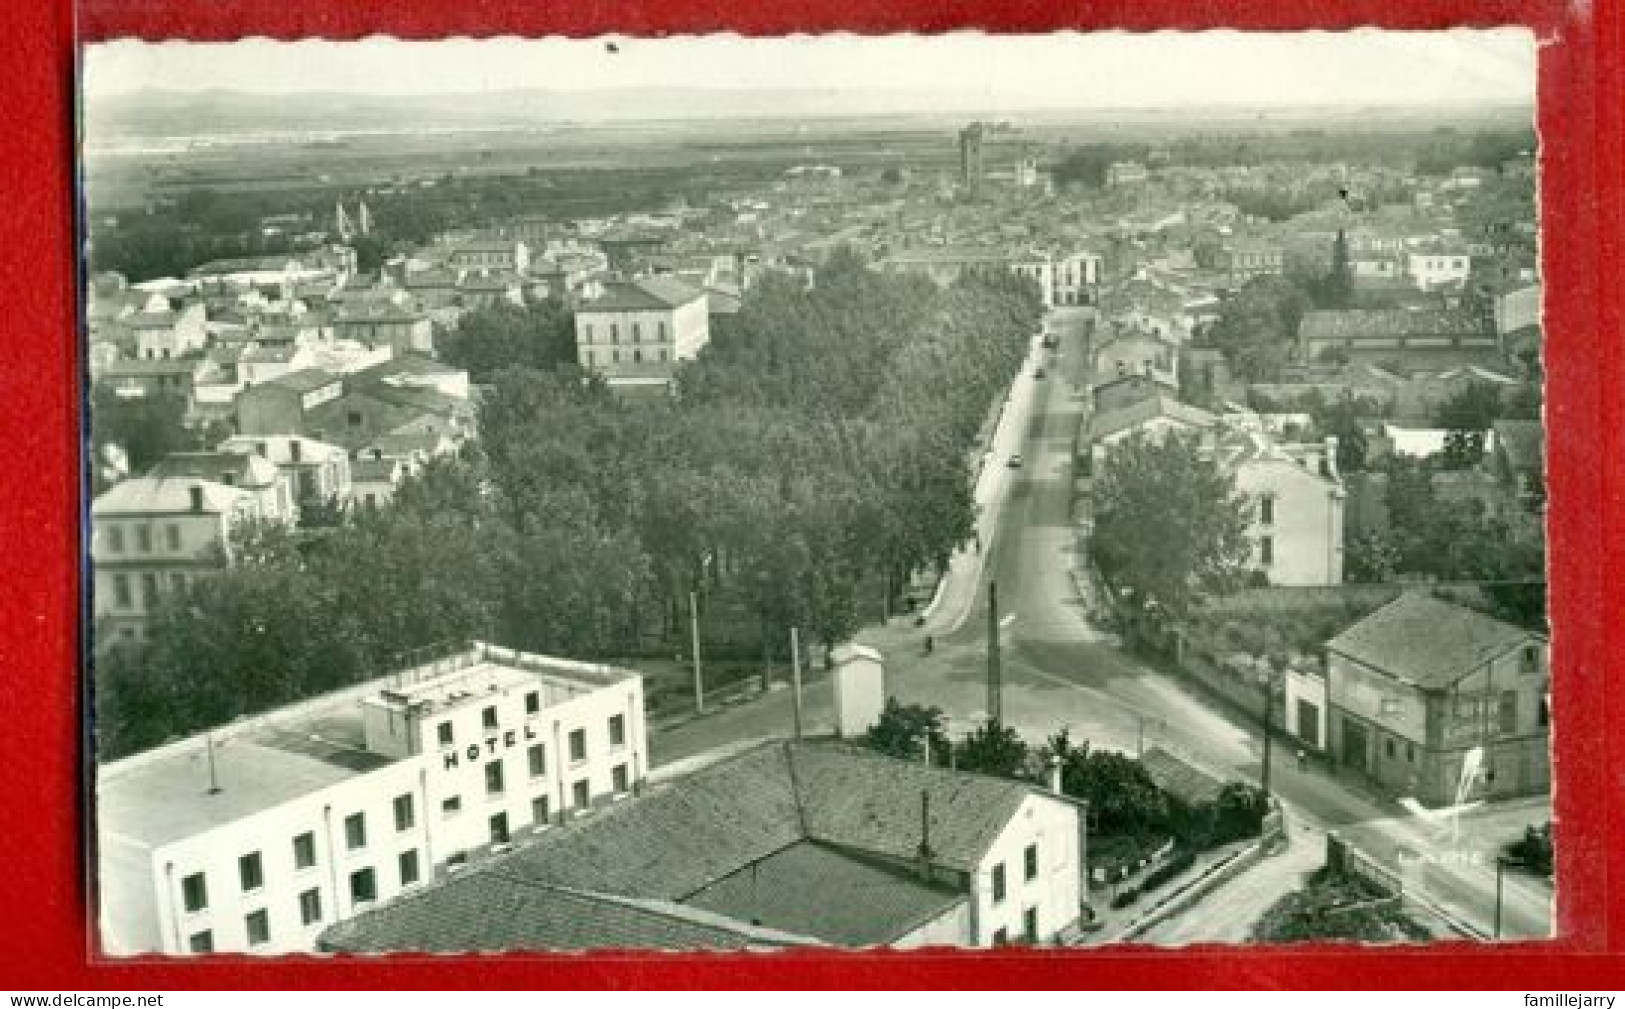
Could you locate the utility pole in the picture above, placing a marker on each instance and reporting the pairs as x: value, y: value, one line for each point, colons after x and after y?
x: 1269, y: 709
x: 995, y: 689
x: 694, y: 630
x: 795, y: 677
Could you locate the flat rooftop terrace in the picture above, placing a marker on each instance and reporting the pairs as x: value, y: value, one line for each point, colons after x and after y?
x: 164, y: 794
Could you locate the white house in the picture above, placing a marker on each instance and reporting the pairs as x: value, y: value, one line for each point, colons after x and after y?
x: 636, y: 332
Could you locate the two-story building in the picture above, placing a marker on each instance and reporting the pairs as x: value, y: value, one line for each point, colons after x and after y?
x: 383, y: 323
x: 1418, y: 684
x: 637, y: 332
x: 151, y: 536
x: 165, y: 335
x: 258, y: 835
x: 1295, y: 498
x: 1434, y: 266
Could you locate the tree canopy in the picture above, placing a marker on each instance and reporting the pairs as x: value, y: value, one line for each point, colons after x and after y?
x: 1168, y: 522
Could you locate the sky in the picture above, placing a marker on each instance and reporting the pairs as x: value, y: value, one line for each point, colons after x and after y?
x: 1457, y: 67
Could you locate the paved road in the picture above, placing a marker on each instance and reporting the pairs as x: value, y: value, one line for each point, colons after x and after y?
x: 1060, y: 672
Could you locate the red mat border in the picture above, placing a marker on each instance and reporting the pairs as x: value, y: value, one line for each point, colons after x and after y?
x: 42, y: 887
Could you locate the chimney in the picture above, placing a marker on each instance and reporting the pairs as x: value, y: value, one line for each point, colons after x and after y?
x: 293, y: 449
x: 197, y: 497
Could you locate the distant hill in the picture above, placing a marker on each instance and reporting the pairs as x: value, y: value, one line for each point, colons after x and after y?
x: 174, y: 113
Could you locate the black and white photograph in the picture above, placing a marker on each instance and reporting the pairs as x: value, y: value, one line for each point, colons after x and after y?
x: 815, y: 492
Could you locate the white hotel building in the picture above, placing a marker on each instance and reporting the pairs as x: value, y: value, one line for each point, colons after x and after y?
x: 258, y: 836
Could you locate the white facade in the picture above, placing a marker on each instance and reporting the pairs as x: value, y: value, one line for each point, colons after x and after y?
x: 628, y: 346
x: 1029, y: 884
x: 333, y: 806
x: 1429, y: 270
x: 1297, y: 521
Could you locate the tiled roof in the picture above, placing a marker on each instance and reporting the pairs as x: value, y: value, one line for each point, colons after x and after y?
x: 1185, y: 782
x: 804, y: 838
x: 152, y: 495
x: 1425, y: 641
x: 646, y: 293
x: 1382, y: 323
x: 303, y: 380
x: 861, y: 901
x: 679, y: 839
x: 245, y: 470
x: 490, y: 911
x: 1132, y: 415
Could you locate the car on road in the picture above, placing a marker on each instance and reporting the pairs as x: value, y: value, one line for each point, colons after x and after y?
x: 1015, y: 461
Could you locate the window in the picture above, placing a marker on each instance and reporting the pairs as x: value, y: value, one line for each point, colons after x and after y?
x: 115, y: 539
x: 614, y: 333
x: 579, y: 793
x: 1029, y: 924
x: 121, y: 591
x: 660, y: 328
x: 539, y: 813
x: 1266, y: 551
x: 1030, y: 862
x: 201, y: 942
x: 172, y: 536
x: 195, y: 892
x: 443, y: 733
x: 408, y: 862
x: 304, y: 850
x: 1509, y: 711
x: 998, y: 882
x: 1001, y: 937
x: 355, y: 831
x: 1545, y: 712
x: 1391, y: 750
x: 258, y: 926
x: 451, y: 806
x: 488, y: 718
x: 499, y: 828
x: 405, y: 815
x: 1266, y: 510
x: 620, y: 780
x: 310, y: 907
x: 353, y: 418
x: 363, y: 886
x: 1530, y: 658
x: 615, y: 357
x: 149, y: 588
x: 586, y: 332
x: 538, y: 760
x: 493, y: 778
x: 617, y: 730
x: 177, y: 583
x: 578, y: 745
x: 533, y: 703
x: 637, y: 333
x: 637, y: 356
x: 251, y: 871
x: 662, y: 354
x: 143, y: 538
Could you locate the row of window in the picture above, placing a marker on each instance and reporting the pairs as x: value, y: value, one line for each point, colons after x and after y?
x: 580, y: 791
x: 143, y: 537
x: 446, y: 732
x: 1029, y: 928
x: 363, y: 890
x: 660, y: 357
x: 615, y: 332
x: 151, y: 588
x: 1029, y: 871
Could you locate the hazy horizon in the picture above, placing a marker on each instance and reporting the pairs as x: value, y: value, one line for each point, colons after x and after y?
x: 1033, y: 73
